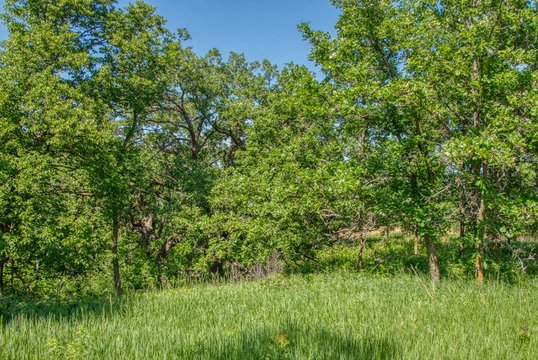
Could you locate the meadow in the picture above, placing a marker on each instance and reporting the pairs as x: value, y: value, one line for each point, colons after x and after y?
x: 339, y: 315
x: 161, y: 203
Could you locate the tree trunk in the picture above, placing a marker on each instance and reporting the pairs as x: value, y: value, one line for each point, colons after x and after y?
x: 2, y: 263
x: 480, y: 230
x: 161, y: 258
x: 480, y: 241
x: 416, y: 247
x: 115, y: 258
x: 360, y: 250
x: 5, y: 228
x: 481, y: 216
x: 146, y: 230
x: 480, y: 171
x: 479, y: 270
x: 432, y: 260
x: 163, y: 281
x: 463, y: 212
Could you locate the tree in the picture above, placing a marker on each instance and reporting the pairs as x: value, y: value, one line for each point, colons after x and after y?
x: 377, y: 98
x: 440, y: 92
x: 199, y: 127
x: 291, y: 188
x: 129, y: 80
x: 477, y: 60
x: 80, y: 78
x: 49, y: 127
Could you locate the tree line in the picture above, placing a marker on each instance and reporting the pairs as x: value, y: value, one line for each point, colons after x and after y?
x: 124, y: 152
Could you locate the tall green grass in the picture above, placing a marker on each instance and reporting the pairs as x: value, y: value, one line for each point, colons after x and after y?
x: 327, y: 316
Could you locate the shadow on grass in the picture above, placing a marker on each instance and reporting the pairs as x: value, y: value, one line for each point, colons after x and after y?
x: 292, y: 342
x: 12, y: 308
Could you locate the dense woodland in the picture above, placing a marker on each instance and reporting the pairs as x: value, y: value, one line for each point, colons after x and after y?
x: 129, y: 161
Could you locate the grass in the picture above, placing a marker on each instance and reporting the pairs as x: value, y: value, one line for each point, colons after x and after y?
x: 339, y: 315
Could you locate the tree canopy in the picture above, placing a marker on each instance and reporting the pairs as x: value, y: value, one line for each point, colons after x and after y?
x: 122, y: 148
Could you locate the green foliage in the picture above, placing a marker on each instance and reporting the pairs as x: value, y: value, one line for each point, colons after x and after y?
x: 121, y: 146
x: 284, y: 189
x: 436, y: 89
x: 72, y: 350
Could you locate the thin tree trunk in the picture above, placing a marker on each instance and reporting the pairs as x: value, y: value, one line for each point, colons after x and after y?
x: 360, y: 250
x: 416, y: 247
x: 481, y: 216
x: 462, y: 215
x: 163, y: 281
x: 115, y: 259
x: 480, y: 227
x: 480, y: 240
x: 462, y: 233
x: 5, y: 228
x: 479, y: 270
x: 432, y: 260
x: 2, y: 263
x: 479, y: 171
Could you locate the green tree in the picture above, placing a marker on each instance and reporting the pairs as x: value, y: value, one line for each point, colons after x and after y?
x: 366, y: 63
x: 129, y: 81
x: 49, y: 127
x: 441, y: 91
x: 288, y: 190
x: 199, y: 127
x: 477, y: 62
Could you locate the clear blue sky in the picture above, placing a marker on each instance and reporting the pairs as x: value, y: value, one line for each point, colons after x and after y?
x: 261, y: 29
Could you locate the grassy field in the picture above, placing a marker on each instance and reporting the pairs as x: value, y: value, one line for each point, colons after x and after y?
x: 325, y: 316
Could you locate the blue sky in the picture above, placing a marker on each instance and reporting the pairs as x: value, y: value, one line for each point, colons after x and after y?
x: 261, y: 29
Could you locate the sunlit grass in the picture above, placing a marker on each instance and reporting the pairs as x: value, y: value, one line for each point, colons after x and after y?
x: 331, y: 316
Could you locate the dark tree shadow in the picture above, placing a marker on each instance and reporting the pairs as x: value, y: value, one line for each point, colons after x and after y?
x: 12, y: 308
x: 294, y: 342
